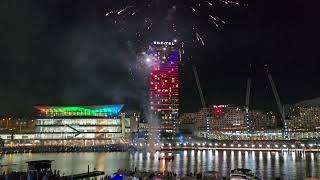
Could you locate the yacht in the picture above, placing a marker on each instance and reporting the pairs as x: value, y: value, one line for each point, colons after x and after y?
x: 241, y: 173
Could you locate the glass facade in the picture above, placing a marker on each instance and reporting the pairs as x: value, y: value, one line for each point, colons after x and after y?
x: 164, y: 83
x: 81, y: 122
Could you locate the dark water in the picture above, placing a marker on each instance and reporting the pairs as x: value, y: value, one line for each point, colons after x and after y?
x: 266, y: 164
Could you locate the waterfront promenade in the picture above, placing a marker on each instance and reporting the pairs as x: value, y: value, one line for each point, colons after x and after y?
x: 282, y: 146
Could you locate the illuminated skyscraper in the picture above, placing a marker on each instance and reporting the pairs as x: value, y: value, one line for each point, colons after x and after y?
x: 164, y: 83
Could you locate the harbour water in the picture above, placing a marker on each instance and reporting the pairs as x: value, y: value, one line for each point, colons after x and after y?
x: 266, y: 164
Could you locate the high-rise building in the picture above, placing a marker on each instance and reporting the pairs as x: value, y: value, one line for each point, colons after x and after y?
x: 219, y: 118
x: 304, y: 115
x: 164, y: 84
x: 303, y: 118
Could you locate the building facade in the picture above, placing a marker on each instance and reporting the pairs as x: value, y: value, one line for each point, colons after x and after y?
x: 262, y: 120
x: 303, y: 118
x: 225, y: 118
x: 135, y: 119
x: 219, y: 118
x: 74, y: 126
x: 186, y: 123
x: 164, y: 84
x: 81, y: 125
x: 228, y: 118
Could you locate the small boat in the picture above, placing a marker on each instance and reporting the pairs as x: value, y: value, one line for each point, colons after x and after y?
x: 166, y: 157
x: 242, y: 173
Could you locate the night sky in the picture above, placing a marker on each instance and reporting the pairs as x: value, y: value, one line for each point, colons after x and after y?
x: 68, y: 53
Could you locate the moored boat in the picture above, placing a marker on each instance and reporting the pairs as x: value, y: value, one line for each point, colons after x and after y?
x: 242, y: 173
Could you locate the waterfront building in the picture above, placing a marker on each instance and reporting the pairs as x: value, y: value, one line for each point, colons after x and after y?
x: 262, y: 120
x: 76, y: 126
x: 230, y: 118
x: 219, y: 118
x: 303, y: 118
x: 201, y: 122
x: 186, y: 123
x: 226, y: 118
x: 81, y: 124
x: 187, y: 118
x: 135, y: 119
x: 164, y: 84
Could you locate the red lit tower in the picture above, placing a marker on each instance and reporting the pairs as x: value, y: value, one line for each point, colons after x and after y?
x: 164, y: 83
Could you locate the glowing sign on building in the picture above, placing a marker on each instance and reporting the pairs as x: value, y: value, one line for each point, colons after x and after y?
x: 218, y: 109
x: 104, y: 111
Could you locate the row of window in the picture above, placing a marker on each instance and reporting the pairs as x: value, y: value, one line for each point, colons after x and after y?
x: 78, y: 121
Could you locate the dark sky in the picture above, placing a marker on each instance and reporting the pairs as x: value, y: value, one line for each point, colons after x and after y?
x: 66, y: 53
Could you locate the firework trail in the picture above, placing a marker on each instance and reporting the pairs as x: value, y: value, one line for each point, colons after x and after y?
x: 155, y: 12
x: 124, y: 9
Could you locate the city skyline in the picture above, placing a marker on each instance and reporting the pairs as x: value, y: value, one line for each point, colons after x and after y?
x: 159, y: 89
x: 72, y: 57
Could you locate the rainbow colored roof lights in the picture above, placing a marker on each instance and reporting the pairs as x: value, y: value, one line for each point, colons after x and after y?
x: 103, y: 111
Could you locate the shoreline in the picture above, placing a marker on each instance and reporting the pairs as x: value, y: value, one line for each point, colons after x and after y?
x: 119, y: 148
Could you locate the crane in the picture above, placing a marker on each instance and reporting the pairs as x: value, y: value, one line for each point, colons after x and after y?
x: 194, y: 68
x: 280, y: 107
x: 248, y: 122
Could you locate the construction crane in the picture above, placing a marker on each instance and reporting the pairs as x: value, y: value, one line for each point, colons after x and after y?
x: 194, y: 68
x: 248, y: 122
x: 280, y: 107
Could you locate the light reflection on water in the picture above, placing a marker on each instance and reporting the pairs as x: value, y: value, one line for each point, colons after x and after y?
x: 266, y: 164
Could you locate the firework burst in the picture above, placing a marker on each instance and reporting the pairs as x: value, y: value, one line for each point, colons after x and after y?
x: 181, y: 18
